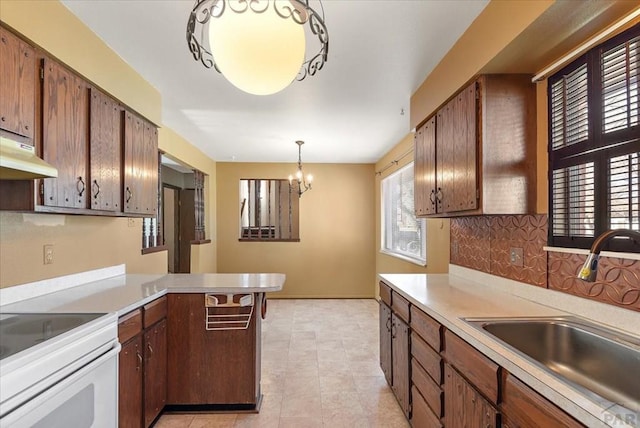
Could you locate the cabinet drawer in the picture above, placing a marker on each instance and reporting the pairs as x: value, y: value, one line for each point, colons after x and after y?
x: 429, y: 390
x: 526, y: 408
x: 400, y: 306
x: 478, y: 369
x: 385, y: 293
x: 155, y: 311
x: 129, y: 325
x: 426, y: 327
x: 428, y: 358
x: 421, y: 415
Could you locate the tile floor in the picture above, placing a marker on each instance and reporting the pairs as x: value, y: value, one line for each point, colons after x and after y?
x: 319, y: 369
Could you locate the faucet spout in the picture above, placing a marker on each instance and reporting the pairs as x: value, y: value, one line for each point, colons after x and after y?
x: 589, y: 270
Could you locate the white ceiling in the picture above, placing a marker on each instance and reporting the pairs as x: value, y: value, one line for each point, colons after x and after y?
x: 380, y: 51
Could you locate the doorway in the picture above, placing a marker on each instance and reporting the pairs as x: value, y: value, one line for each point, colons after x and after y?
x: 178, y: 214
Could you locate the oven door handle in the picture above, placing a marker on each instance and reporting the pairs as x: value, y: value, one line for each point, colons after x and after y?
x: 31, y: 412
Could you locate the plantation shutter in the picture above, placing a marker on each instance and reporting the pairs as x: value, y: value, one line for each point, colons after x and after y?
x: 594, y: 145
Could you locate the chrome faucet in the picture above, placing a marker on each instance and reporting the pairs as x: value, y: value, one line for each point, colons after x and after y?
x: 589, y: 270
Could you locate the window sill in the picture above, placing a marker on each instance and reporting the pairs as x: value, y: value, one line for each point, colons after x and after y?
x: 268, y: 240
x: 628, y: 256
x: 154, y: 249
x: 405, y: 258
x: 200, y: 241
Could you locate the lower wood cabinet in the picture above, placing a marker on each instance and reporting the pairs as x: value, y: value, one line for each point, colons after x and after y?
x: 385, y: 342
x: 155, y: 371
x: 217, y: 368
x: 463, y: 405
x: 400, y: 362
x: 523, y: 407
x: 142, y: 385
x: 394, y: 345
x: 130, y: 384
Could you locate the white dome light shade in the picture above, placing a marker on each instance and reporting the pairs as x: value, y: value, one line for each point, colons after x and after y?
x: 259, y: 53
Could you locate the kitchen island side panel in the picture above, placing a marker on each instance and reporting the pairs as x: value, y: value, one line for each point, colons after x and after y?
x: 216, y: 368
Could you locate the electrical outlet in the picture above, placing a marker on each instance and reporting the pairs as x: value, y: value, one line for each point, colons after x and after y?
x: 48, y: 254
x: 516, y: 256
x: 131, y: 222
x: 454, y: 249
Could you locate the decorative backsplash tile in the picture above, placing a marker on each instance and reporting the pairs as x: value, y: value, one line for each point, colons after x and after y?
x: 470, y: 240
x: 618, y: 281
x: 484, y: 243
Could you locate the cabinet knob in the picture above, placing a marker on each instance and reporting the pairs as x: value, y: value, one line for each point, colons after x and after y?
x: 3, y: 119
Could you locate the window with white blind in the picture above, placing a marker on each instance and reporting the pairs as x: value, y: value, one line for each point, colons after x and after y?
x: 403, y: 235
x: 594, y: 145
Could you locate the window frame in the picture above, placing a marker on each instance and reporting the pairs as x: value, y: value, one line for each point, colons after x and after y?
x: 384, y: 249
x: 293, y: 209
x: 599, y: 147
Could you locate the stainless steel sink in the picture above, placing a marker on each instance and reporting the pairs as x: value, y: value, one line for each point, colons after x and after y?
x: 594, y: 359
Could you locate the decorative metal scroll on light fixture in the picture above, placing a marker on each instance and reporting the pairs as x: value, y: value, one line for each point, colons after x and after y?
x: 304, y: 183
x: 206, y: 14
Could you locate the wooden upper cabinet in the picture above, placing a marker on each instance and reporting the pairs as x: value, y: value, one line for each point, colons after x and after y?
x: 65, y: 121
x: 140, y: 166
x: 477, y: 154
x: 17, y: 85
x: 105, y: 152
x: 456, y: 153
x: 425, y: 168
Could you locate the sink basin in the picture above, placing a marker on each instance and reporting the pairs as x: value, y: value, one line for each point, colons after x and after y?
x: 592, y: 358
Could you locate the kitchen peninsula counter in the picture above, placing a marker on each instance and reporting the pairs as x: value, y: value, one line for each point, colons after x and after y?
x: 126, y: 292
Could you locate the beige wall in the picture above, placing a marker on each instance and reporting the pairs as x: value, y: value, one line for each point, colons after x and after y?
x: 334, y: 257
x: 83, y: 242
x: 437, y: 229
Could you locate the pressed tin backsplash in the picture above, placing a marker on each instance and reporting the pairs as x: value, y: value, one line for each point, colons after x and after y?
x: 483, y: 243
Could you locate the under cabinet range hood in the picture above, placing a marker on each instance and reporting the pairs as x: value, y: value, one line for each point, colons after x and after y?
x: 18, y: 161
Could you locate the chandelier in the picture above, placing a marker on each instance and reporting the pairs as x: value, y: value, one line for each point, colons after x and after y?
x: 257, y: 45
x: 304, y: 183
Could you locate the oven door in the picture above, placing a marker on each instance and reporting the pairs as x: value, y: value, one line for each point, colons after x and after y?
x: 85, y: 398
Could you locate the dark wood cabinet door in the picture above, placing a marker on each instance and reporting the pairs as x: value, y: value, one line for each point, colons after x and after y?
x: 130, y: 384
x: 463, y: 405
x: 133, y: 162
x: 385, y: 342
x: 400, y: 359
x: 64, y: 133
x: 425, y: 192
x: 210, y: 366
x: 465, y: 151
x: 140, y: 166
x: 457, y: 151
x: 105, y: 152
x: 419, y: 187
x: 17, y: 85
x: 445, y: 157
x: 155, y: 371
x: 150, y: 176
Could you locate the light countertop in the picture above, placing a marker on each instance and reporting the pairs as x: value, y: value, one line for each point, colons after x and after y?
x: 124, y: 293
x: 449, y: 298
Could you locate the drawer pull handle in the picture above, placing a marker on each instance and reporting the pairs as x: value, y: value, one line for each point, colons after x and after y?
x: 139, y: 360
